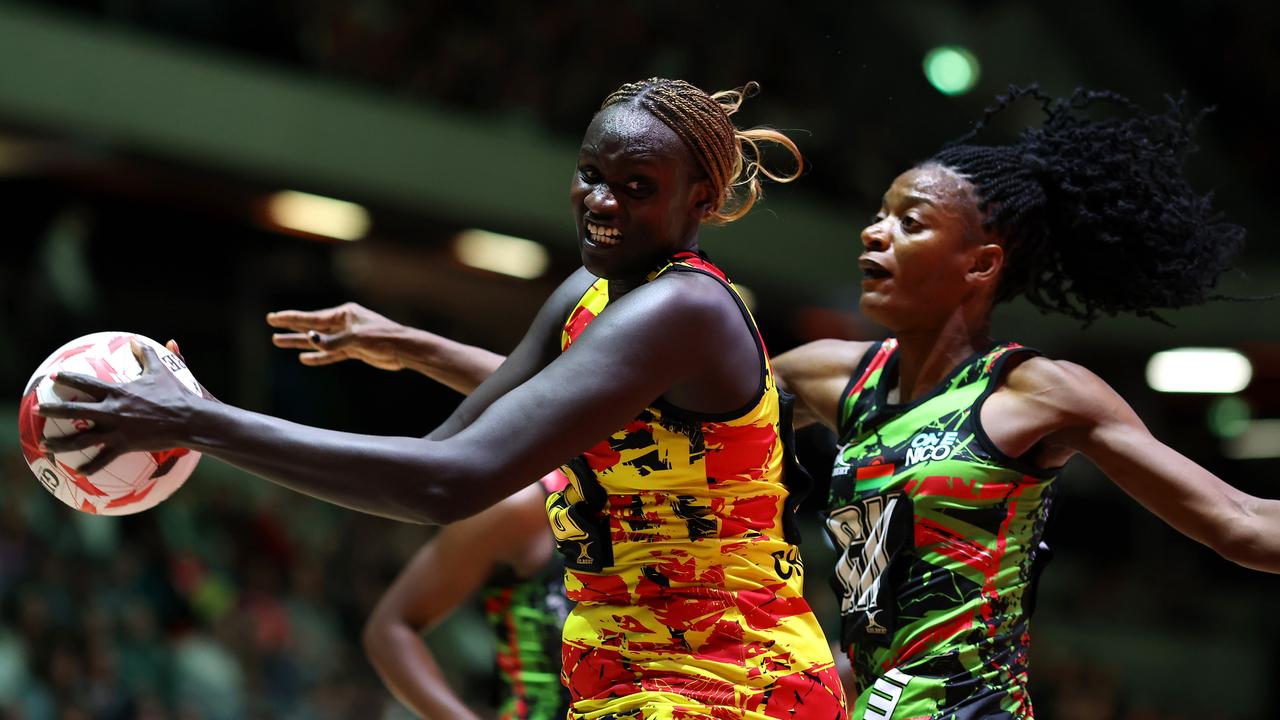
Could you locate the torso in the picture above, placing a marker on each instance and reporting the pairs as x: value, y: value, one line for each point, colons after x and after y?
x: 689, y: 595
x: 939, y: 532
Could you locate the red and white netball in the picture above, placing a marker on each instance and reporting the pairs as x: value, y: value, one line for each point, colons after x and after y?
x: 132, y: 482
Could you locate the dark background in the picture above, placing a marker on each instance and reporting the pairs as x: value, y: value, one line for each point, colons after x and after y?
x: 138, y: 139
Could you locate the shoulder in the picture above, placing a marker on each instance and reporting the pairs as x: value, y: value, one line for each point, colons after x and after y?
x: 1066, y: 388
x: 678, y: 299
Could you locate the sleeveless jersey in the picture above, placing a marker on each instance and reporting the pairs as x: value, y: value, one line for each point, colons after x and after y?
x: 527, y: 616
x: 688, y: 593
x: 938, y: 533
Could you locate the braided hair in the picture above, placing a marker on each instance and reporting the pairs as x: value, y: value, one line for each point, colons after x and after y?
x: 1096, y: 214
x: 730, y: 157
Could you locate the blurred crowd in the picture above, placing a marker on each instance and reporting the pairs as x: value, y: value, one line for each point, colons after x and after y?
x: 844, y: 76
x: 214, y: 606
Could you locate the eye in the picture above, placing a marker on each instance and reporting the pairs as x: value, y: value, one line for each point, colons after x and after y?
x: 589, y: 174
x: 639, y: 188
x: 876, y: 219
x: 909, y: 223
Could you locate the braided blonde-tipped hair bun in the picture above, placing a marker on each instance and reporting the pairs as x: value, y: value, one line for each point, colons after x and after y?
x: 730, y: 157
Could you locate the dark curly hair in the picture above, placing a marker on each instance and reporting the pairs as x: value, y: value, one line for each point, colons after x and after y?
x: 1096, y: 214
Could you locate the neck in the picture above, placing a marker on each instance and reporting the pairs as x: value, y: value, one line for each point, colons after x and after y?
x: 621, y: 286
x: 927, y: 355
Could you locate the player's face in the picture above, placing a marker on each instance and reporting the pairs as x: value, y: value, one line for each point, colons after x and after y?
x: 637, y: 194
x: 919, y: 250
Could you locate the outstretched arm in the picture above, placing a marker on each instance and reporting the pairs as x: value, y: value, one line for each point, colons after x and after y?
x: 1083, y: 414
x: 645, y: 345
x: 353, y: 332
x: 439, y: 578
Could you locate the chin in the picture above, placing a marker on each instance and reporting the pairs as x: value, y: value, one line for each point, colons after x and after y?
x: 876, y: 309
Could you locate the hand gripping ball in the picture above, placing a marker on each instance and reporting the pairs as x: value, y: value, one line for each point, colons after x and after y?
x: 132, y: 482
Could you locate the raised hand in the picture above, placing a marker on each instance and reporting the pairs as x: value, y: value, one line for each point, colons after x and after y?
x: 149, y: 413
x: 346, y: 332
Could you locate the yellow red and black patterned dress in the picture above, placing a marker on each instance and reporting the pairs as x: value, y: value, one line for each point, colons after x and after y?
x: 688, y: 593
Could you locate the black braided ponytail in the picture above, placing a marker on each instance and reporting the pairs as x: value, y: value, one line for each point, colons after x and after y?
x: 1096, y: 214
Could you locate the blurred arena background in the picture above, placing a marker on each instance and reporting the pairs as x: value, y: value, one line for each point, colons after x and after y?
x: 152, y: 151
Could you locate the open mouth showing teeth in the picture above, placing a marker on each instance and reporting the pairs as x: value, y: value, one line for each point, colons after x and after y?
x: 601, y: 235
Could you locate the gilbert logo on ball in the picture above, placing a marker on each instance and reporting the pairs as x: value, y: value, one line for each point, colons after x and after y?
x: 132, y: 482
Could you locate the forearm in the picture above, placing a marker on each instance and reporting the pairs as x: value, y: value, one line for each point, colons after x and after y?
x: 408, y: 479
x: 461, y: 367
x: 411, y: 673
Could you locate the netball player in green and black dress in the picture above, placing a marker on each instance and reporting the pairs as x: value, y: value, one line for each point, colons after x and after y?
x: 949, y: 442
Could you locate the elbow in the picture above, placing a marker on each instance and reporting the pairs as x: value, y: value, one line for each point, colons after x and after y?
x: 374, y: 638
x: 437, y: 493
x: 1249, y: 546
x: 456, y: 490
x: 443, y: 501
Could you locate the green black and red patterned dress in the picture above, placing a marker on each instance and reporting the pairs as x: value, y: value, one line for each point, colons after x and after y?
x: 527, y: 616
x: 938, y: 533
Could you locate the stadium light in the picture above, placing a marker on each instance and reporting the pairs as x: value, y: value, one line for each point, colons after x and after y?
x: 1199, y: 370
x: 951, y: 69
x: 504, y: 254
x: 318, y: 215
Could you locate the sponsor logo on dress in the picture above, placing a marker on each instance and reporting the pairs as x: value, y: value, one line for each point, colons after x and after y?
x: 931, y: 445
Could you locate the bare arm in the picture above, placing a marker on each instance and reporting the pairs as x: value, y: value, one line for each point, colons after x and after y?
x: 817, y: 373
x: 1076, y: 411
x: 353, y: 332
x: 439, y: 578
x: 651, y: 341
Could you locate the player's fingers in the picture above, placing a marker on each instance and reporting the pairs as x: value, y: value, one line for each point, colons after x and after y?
x: 316, y: 359
x: 145, y: 354
x: 79, y: 441
x: 172, y: 346
x: 292, y: 341
x: 71, y: 410
x: 333, y: 341
x: 327, y: 320
x: 84, y: 383
x: 99, y: 461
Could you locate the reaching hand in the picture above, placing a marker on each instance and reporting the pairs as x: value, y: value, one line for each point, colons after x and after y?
x: 150, y: 413
x: 346, y: 332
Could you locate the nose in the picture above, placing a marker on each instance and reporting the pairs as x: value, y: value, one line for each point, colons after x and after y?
x: 874, y: 237
x: 600, y: 201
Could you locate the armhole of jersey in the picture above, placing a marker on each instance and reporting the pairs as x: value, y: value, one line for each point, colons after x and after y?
x: 559, y: 338
x: 1021, y: 464
x: 675, y: 410
x: 842, y: 426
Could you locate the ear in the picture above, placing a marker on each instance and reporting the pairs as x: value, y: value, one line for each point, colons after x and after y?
x: 985, y: 264
x: 703, y: 199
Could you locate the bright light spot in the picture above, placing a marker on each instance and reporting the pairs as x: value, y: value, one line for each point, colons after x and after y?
x: 951, y: 69
x: 501, y: 253
x: 1261, y: 439
x: 1229, y: 416
x: 318, y: 215
x: 1199, y: 370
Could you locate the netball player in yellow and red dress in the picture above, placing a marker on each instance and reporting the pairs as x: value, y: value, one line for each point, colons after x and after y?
x: 646, y: 367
